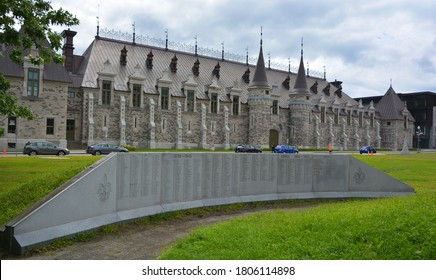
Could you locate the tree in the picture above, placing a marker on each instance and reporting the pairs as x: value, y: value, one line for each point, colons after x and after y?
x: 36, y: 18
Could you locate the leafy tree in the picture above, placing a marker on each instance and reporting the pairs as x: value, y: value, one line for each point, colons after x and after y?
x: 36, y: 18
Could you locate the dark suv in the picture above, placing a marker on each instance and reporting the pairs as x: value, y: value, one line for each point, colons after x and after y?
x: 245, y: 148
x: 34, y: 148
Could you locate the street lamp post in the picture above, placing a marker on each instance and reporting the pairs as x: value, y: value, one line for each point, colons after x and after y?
x: 418, y: 134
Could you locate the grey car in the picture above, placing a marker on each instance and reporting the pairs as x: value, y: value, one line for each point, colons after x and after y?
x: 104, y: 148
x: 34, y: 148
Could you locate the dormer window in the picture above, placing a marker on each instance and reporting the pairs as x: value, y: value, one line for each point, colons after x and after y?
x: 33, y: 82
x: 190, y: 101
x: 106, y: 92
x: 235, y: 105
x: 136, y: 95
x: 214, y: 103
x: 164, y: 98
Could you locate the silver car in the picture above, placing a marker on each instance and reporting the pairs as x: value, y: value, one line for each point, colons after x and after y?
x: 34, y: 148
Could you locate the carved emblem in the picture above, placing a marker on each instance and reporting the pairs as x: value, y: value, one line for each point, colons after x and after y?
x: 104, y: 189
x: 359, y: 176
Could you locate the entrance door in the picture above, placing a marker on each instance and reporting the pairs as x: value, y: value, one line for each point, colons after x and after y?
x: 70, y: 130
x: 273, y: 137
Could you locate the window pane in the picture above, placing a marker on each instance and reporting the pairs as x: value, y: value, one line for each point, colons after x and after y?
x: 33, y: 83
x: 50, y: 127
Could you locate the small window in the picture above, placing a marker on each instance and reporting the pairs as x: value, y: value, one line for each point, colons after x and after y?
x: 214, y: 103
x: 164, y: 98
x: 33, y: 82
x: 106, y: 93
x: 235, y: 105
x: 322, y: 114
x: 71, y: 94
x: 190, y: 101
x: 136, y: 95
x: 275, y: 107
x: 50, y: 127
x: 12, y: 125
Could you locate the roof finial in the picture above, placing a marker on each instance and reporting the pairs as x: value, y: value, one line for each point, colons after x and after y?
x: 391, y: 82
x: 269, y: 60
x: 246, y: 58
x: 261, y: 33
x: 166, y: 40
x: 195, y: 45
x: 222, y: 51
x: 301, y: 46
x: 134, y: 34
x: 289, y: 65
x: 98, y: 21
x: 324, y: 73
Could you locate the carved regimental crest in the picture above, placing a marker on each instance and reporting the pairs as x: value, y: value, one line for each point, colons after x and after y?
x: 104, y: 189
x: 359, y: 176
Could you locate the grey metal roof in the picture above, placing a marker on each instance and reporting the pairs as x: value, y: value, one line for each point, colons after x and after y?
x: 259, y: 78
x: 390, y: 106
x: 301, y: 83
x: 52, y: 72
x: 231, y: 73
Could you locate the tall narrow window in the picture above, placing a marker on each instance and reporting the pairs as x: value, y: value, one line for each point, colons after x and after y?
x: 136, y: 95
x: 360, y: 118
x: 12, y: 124
x: 190, y: 101
x: 322, y: 114
x: 106, y: 93
x: 372, y: 120
x: 214, y: 103
x: 336, y: 117
x: 349, y: 118
x: 235, y: 105
x: 275, y: 107
x: 164, y: 95
x: 50, y: 126
x: 33, y: 82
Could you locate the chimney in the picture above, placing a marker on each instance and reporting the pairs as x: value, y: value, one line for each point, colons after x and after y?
x: 68, y: 49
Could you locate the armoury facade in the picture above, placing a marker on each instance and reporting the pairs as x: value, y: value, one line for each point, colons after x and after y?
x: 132, y: 94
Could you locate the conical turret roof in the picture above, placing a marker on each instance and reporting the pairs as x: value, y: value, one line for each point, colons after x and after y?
x: 259, y: 78
x: 301, y: 82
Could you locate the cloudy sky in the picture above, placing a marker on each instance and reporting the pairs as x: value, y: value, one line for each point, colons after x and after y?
x: 365, y: 44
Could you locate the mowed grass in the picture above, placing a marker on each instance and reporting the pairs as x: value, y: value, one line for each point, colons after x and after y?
x: 401, y: 228
x: 25, y: 180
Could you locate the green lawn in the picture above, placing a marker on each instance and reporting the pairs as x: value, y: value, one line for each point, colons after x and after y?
x: 388, y: 228
x: 25, y: 180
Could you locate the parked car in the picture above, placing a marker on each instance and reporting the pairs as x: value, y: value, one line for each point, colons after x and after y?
x: 33, y: 148
x: 246, y: 148
x: 104, y: 148
x: 367, y: 150
x: 285, y: 149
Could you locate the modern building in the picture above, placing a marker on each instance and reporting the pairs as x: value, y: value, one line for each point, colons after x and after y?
x: 136, y: 94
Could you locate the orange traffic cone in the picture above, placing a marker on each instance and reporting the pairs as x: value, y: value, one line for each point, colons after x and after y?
x: 4, y: 151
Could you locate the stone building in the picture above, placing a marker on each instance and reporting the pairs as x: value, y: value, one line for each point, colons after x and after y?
x: 128, y: 93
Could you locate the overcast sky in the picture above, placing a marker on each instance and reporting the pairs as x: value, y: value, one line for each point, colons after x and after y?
x: 364, y: 43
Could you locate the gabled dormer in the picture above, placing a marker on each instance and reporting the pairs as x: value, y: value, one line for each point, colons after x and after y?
x: 106, y: 80
x: 189, y: 88
x: 136, y: 86
x: 235, y: 96
x: 164, y: 85
x: 213, y: 91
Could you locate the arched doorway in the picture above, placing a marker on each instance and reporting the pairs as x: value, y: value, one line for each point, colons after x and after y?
x: 273, y: 137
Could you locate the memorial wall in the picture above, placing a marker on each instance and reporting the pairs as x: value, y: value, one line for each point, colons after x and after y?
x: 122, y: 187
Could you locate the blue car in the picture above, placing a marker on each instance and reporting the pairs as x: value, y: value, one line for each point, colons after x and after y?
x: 367, y: 150
x: 285, y: 149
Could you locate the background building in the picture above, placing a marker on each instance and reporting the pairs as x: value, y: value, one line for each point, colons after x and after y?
x: 129, y: 93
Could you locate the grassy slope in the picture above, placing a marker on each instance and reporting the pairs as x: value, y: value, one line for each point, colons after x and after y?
x: 389, y: 228
x: 25, y: 180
